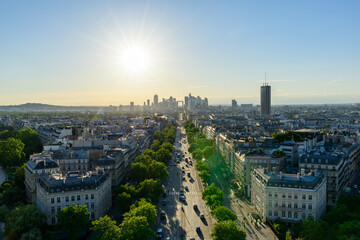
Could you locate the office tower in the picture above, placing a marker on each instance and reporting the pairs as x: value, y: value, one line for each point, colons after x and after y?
x: 156, y: 100
x: 131, y: 106
x: 186, y: 101
x: 265, y: 99
x: 233, y: 103
x: 148, y: 102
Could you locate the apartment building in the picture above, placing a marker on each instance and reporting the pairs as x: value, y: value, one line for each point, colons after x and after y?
x: 56, y: 191
x: 288, y: 197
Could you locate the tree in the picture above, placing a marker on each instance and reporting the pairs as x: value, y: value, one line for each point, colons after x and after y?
x: 197, y: 154
x: 227, y: 230
x: 142, y: 208
x: 213, y: 196
x: 208, y: 151
x: 136, y: 228
x: 155, y: 146
x: 222, y: 213
x: 31, y: 140
x: 106, y: 228
x: 11, y: 152
x: 288, y: 235
x: 205, y: 176
x: 33, y: 234
x: 167, y: 146
x: 73, y: 218
x: 148, y: 169
x: 349, y: 230
x: 19, y: 176
x: 150, y: 153
x: 158, y: 135
x: 150, y: 189
x: 4, y: 212
x: 163, y: 155
x: 123, y: 201
x: 22, y: 219
x: 314, y: 230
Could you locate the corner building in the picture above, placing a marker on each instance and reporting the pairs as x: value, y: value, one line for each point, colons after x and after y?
x: 289, y: 197
x: 55, y: 192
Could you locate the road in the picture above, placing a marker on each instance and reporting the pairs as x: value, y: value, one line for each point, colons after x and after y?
x: 181, y: 219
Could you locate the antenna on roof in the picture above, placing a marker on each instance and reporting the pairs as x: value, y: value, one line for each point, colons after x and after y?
x: 265, y: 79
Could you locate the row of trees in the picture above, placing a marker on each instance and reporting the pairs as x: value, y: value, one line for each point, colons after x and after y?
x: 202, y: 150
x: 147, y: 170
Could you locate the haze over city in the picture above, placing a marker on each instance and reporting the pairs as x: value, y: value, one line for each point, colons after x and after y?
x: 114, y: 52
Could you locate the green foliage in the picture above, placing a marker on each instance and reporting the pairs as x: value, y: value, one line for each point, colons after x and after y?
x: 213, y: 196
x: 19, y: 176
x: 159, y: 136
x: 137, y: 228
x: 168, y: 146
x: 163, y: 155
x: 123, y: 201
x: 314, y: 230
x: 288, y: 236
x: 281, y: 137
x: 4, y: 212
x: 205, y: 176
x: 155, y: 146
x: 227, y: 230
x: 150, y: 153
x: 223, y: 213
x: 349, y: 230
x: 31, y: 140
x: 11, y: 152
x: 106, y: 228
x: 147, y: 169
x: 142, y: 208
x: 10, y: 194
x: 33, y: 234
x: 278, y: 153
x: 23, y: 219
x: 150, y: 189
x: 72, y: 218
x: 197, y: 154
x: 202, y: 166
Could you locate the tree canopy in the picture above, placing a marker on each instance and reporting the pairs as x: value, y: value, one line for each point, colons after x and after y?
x: 222, y: 213
x: 213, y: 196
x: 227, y: 230
x: 73, y: 218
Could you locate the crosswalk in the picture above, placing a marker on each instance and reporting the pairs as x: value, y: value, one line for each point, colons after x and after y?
x: 175, y: 193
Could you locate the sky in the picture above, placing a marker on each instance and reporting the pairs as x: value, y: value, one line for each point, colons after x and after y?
x: 71, y: 52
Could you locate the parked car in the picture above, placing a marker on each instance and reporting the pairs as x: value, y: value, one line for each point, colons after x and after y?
x: 182, y: 198
x: 159, y: 233
x: 198, y: 229
x: 186, y: 188
x: 195, y: 206
x: 202, y: 216
x: 162, y: 216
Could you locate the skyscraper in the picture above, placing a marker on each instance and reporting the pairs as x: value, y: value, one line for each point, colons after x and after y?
x: 234, y: 103
x: 132, y: 107
x: 265, y: 99
x: 156, y: 100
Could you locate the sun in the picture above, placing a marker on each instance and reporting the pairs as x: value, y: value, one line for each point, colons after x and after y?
x: 135, y: 59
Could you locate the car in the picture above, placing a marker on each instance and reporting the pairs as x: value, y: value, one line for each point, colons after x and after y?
x: 162, y: 216
x: 192, y: 238
x: 182, y: 198
x: 168, y: 238
x: 188, y: 174
x: 190, y: 163
x: 159, y: 233
x: 183, y: 171
x: 182, y: 168
x: 164, y: 203
x: 355, y: 186
x: 186, y: 188
x: 202, y: 216
x: 195, y: 206
x: 198, y: 229
x: 183, y: 178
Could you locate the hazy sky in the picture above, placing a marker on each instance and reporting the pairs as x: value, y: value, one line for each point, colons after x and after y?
x: 68, y: 52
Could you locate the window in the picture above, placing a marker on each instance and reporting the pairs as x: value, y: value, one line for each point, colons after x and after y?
x: 283, y: 195
x: 310, y: 206
x: 310, y: 197
x: 304, y: 196
x: 270, y: 203
x: 58, y: 199
x: 304, y: 206
x: 72, y: 198
x: 289, y: 214
x: 92, y: 196
x: 52, y: 200
x: 92, y: 215
x: 86, y: 197
x: 67, y: 199
x: 270, y: 213
x: 283, y: 214
x: 276, y: 194
x: 295, y: 205
x: 303, y: 216
x: 92, y: 204
x: 52, y: 210
x: 53, y: 220
x: 295, y: 196
x: 275, y: 213
x: 270, y: 194
x: 295, y: 215
x: 289, y: 195
x: 283, y: 204
x: 58, y: 209
x: 289, y: 205
x: 78, y: 197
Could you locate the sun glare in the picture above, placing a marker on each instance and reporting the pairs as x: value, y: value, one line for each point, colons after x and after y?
x: 135, y: 60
